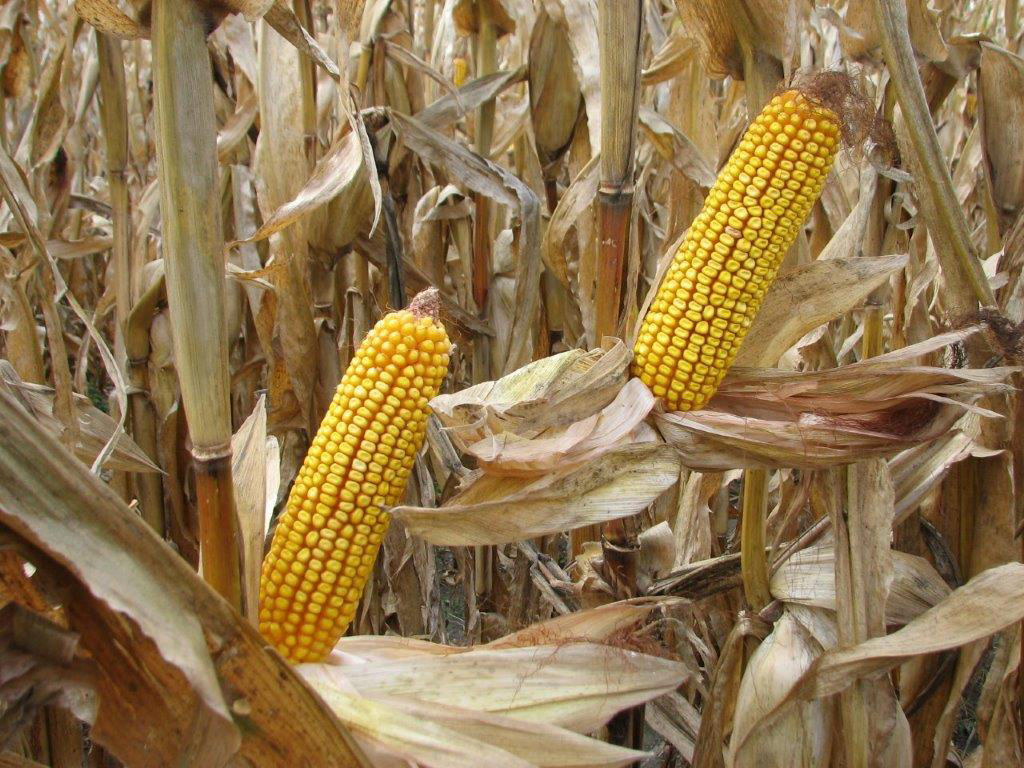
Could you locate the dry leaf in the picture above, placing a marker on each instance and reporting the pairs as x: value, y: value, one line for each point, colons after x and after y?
x: 338, y: 175
x: 801, y: 300
x: 620, y: 483
x: 108, y: 18
x: 803, y: 737
x: 989, y: 602
x: 548, y: 684
x: 151, y: 625
x: 808, y: 578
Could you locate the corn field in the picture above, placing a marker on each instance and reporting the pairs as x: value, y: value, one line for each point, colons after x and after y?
x: 510, y: 383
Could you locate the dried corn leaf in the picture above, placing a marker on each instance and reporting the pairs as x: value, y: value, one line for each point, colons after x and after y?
x: 802, y: 738
x: 595, y: 625
x: 988, y: 603
x: 860, y: 31
x: 282, y: 18
x: 619, y: 423
x: 539, y: 744
x: 550, y: 684
x: 622, y: 482
x: 676, y: 148
x: 249, y: 476
x: 236, y: 129
x: 555, y: 391
x: 151, y: 625
x: 108, y: 18
x: 486, y: 178
x: 801, y: 300
x: 670, y: 59
x: 95, y: 428
x: 808, y: 578
x: 574, y: 202
x: 677, y: 720
x: 878, y: 406
x: 394, y: 734
x: 373, y: 648
x: 710, y: 24
x: 555, y: 96
x: 50, y: 120
x: 339, y: 175
x: 918, y: 470
x: 776, y: 26
x: 251, y: 9
x: 1002, y: 73
x: 452, y: 106
x: 466, y: 14
x: 579, y: 18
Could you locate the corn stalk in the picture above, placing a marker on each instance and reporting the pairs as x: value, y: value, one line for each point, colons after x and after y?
x: 486, y: 44
x: 114, y: 119
x: 620, y: 32
x: 193, y: 249
x: 946, y: 222
x: 753, y: 557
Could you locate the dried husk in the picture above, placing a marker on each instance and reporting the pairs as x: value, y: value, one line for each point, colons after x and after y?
x: 802, y: 737
x: 808, y: 578
x: 555, y: 97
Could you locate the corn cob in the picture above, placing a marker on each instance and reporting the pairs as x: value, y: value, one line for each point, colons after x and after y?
x: 730, y: 256
x: 327, y: 539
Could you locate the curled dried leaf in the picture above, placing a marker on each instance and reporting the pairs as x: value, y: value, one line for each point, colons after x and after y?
x: 553, y: 684
x: 768, y: 418
x: 621, y: 482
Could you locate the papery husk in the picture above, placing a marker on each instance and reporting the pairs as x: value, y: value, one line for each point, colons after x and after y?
x: 555, y: 391
x: 555, y: 97
x: 802, y: 738
x: 552, y: 684
x: 620, y: 482
x: 808, y: 578
x: 95, y: 428
x: 771, y: 419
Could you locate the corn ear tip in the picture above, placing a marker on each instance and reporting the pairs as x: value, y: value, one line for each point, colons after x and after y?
x: 427, y: 303
x: 855, y: 114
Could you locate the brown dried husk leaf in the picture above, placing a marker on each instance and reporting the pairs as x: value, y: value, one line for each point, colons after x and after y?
x: 553, y: 684
x: 991, y: 601
x: 95, y: 428
x: 801, y: 738
x: 769, y: 418
x: 164, y: 649
x: 1001, y: 73
x: 808, y: 578
x: 621, y: 482
x: 555, y: 96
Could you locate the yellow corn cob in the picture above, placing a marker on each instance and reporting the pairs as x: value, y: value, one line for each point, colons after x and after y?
x: 729, y: 258
x: 461, y: 71
x: 329, y: 534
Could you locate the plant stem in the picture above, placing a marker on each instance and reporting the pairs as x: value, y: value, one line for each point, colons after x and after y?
x: 620, y: 28
x: 193, y: 249
x: 753, y: 560
x: 873, y: 342
x: 944, y: 217
x: 114, y: 119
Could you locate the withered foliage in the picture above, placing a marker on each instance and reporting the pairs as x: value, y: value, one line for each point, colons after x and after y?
x: 205, y: 204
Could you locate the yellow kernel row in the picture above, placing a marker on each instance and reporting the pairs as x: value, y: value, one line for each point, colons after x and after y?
x: 730, y: 256
x: 327, y: 539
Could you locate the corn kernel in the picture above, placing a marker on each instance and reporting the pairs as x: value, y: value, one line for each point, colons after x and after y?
x: 329, y: 535
x: 733, y: 250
